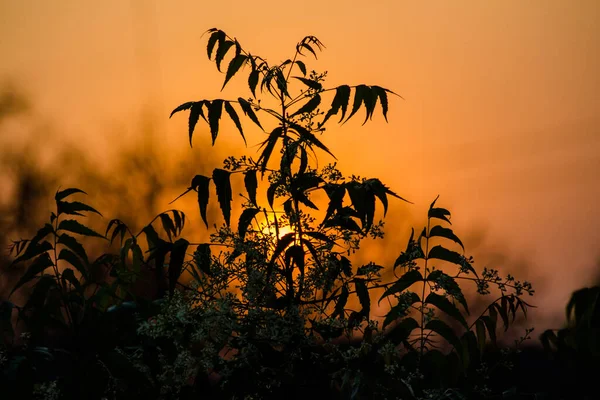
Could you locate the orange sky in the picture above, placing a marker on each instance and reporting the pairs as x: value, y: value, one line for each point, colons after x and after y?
x: 501, y: 116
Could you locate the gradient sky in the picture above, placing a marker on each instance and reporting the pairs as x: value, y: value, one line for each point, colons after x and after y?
x: 501, y: 115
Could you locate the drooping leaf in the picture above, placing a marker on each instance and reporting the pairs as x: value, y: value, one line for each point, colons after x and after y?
x: 370, y: 101
x: 309, y: 137
x: 490, y: 324
x: 341, y: 303
x: 34, y: 248
x: 381, y: 93
x: 236, y: 120
x: 120, y: 228
x: 74, y: 208
x: 481, y: 336
x: 245, y: 220
x: 168, y: 226
x: 221, y: 178
x: 183, y: 107
x: 203, y: 257
x: 176, y: 262
x: 310, y: 83
x: 441, y: 328
x: 363, y: 296
x: 450, y: 285
x: 195, y: 112
x: 253, y: 81
x: 200, y: 184
x: 446, y: 306
x: 445, y: 233
x: 251, y: 184
x: 309, y: 107
x: 247, y: 108
x: 401, y: 332
x: 441, y: 253
x: 69, y: 276
x: 302, y: 67
x: 67, y: 192
x: 217, y: 35
x: 269, y: 145
x: 224, y: 47
x: 401, y: 309
x: 340, y: 101
x: 234, y: 66
x: 214, y: 114
x: 75, y: 261
x: 403, y: 283
x: 37, y: 267
x: 359, y: 95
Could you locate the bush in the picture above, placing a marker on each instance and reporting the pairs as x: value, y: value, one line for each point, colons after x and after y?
x: 274, y: 307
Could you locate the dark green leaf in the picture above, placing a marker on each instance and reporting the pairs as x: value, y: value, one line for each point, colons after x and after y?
x: 446, y: 233
x: 176, y: 262
x: 200, y: 184
x: 245, y: 220
x: 67, y: 192
x: 224, y: 194
x: 446, y: 306
x: 234, y: 66
x: 247, y: 108
x: 251, y: 183
x: 234, y: 117
x: 309, y: 107
x: 310, y: 83
x: 37, y: 267
x: 403, y: 283
x: 214, y: 114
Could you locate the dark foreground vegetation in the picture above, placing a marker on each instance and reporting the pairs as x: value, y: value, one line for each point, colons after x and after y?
x: 274, y: 307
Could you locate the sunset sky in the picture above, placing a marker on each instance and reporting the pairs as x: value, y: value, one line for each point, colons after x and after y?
x: 501, y: 109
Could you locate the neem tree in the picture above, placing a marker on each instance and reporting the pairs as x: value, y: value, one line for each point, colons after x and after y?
x: 275, y: 304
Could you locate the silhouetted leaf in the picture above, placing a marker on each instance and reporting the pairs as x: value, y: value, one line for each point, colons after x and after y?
x: 120, y: 228
x: 446, y: 306
x: 217, y: 35
x: 341, y: 303
x: 370, y: 101
x: 450, y: 285
x: 363, y: 296
x: 34, y: 248
x: 214, y: 114
x: 481, y: 337
x: 202, y: 257
x: 245, y: 220
x: 234, y: 66
x: 359, y: 94
x: 308, y: 137
x: 402, y: 331
x: 75, y: 261
x: 403, y: 283
x: 309, y: 107
x: 183, y: 107
x: 74, y: 208
x: 439, y: 213
x: 381, y: 93
x: 446, y: 233
x: 444, y: 254
x: 69, y: 276
x: 503, y: 314
x: 441, y: 328
x: 37, y: 267
x: 401, y: 309
x: 234, y: 117
x: 67, y: 192
x: 224, y: 195
x: 224, y: 47
x: 269, y: 145
x: 168, y: 226
x: 247, y: 108
x: 195, y: 112
x: 200, y: 184
x: 310, y: 83
x: 302, y: 67
x: 176, y: 262
x: 253, y: 81
x: 251, y: 183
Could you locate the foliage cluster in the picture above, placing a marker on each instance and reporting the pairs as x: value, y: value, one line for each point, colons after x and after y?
x: 274, y: 306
